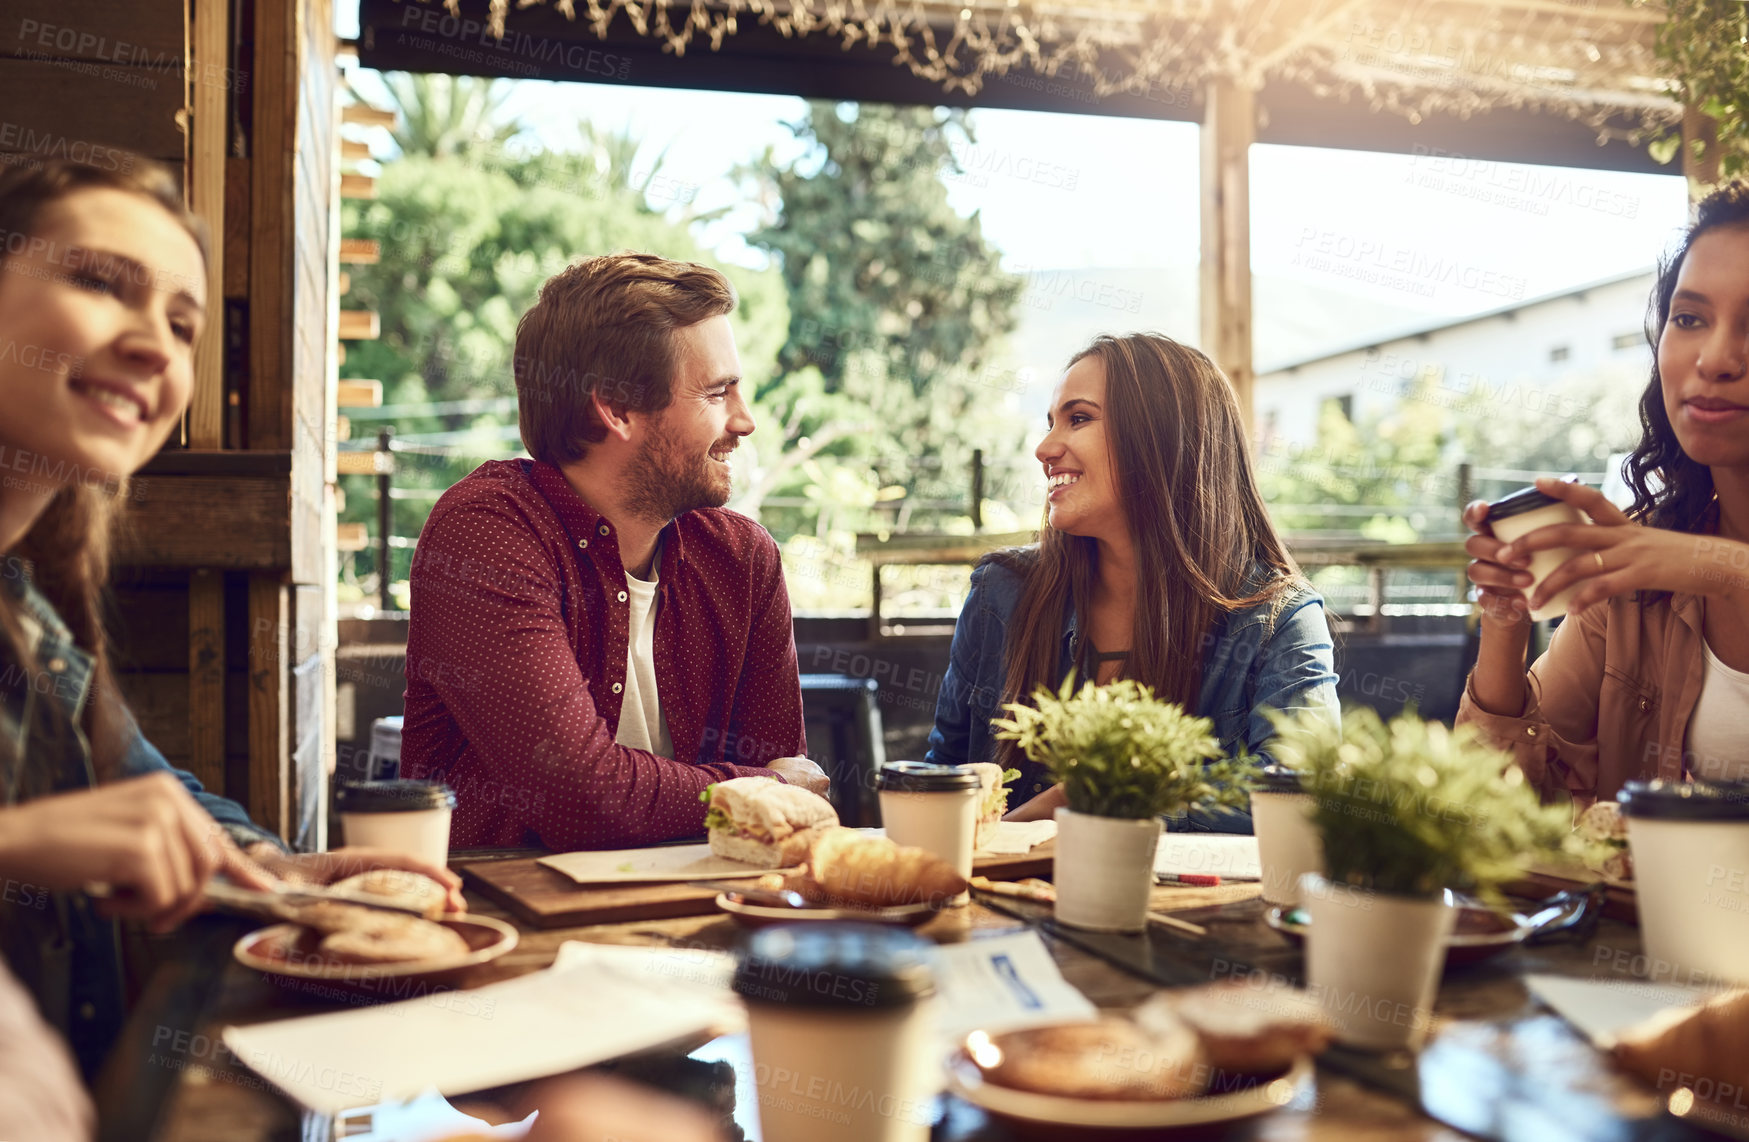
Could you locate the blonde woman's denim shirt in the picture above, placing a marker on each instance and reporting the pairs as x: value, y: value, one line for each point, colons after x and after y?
x: 1277, y: 655
x: 66, y: 954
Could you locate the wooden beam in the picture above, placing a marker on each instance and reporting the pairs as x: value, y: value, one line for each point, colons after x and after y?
x: 364, y: 463
x: 357, y: 186
x: 1228, y: 129
x: 218, y: 521
x: 351, y: 150
x: 272, y: 247
x: 355, y: 393
x: 206, y: 677
x: 366, y: 116
x: 269, y: 801
x: 343, y: 284
x: 351, y: 537
x: 359, y: 325
x: 210, y: 40
x: 360, y: 251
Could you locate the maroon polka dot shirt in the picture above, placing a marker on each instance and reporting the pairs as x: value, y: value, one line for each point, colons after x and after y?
x: 516, y: 660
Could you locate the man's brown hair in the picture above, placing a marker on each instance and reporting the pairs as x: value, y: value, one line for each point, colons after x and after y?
x: 605, y: 326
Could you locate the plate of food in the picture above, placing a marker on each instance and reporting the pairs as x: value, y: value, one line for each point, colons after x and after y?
x: 1480, y: 932
x: 1183, y: 1059
x: 348, y: 944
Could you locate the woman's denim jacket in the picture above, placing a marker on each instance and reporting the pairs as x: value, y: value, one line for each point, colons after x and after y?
x: 67, y: 955
x: 1277, y: 655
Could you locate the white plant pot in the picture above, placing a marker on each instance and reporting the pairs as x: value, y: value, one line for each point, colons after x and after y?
x: 1104, y: 871
x: 1373, y: 961
x: 1287, y: 845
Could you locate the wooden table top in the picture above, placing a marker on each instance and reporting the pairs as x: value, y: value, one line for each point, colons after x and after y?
x: 1504, y: 1048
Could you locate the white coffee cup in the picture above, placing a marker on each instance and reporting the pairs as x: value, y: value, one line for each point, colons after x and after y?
x: 404, y: 816
x: 1690, y: 843
x: 839, y: 1017
x: 1287, y: 845
x: 1522, y: 513
x: 935, y: 808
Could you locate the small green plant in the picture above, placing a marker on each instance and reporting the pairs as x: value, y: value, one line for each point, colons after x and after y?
x: 1121, y: 752
x: 1410, y: 807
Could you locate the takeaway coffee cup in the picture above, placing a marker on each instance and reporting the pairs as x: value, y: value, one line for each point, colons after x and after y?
x: 1690, y: 844
x: 1522, y: 513
x: 839, y: 1018
x: 406, y: 816
x: 1287, y: 845
x: 933, y: 807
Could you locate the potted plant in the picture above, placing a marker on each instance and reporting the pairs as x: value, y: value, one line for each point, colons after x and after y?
x: 1123, y: 757
x: 1405, y: 811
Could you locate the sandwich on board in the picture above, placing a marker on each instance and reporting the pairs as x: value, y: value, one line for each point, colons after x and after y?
x: 763, y: 822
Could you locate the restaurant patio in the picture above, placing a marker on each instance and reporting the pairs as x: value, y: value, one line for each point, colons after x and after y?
x: 262, y: 641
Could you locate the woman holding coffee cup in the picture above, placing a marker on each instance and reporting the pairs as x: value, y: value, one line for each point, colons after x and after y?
x: 1649, y: 675
x: 1156, y: 561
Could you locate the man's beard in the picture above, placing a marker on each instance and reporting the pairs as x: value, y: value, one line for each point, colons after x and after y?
x: 662, y: 481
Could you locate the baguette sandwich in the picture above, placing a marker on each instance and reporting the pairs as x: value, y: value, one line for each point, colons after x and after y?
x: 993, y: 798
x: 763, y: 822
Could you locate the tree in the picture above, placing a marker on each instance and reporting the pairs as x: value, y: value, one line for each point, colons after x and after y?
x: 897, y: 304
x: 448, y: 115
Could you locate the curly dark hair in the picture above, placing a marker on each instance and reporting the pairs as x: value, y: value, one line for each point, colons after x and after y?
x: 1671, y: 489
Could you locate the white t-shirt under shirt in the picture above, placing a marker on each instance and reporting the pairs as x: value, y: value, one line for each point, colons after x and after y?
x: 641, y: 724
x: 1718, y: 731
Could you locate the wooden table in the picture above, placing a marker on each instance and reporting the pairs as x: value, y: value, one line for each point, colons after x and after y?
x: 1507, y: 1056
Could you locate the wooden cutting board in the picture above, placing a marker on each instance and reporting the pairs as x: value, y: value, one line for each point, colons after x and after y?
x: 548, y: 899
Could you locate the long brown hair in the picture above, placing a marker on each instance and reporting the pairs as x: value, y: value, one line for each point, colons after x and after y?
x: 1183, y: 473
x: 68, y: 547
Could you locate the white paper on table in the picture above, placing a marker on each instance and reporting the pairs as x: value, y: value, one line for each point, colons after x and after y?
x: 1603, y: 1008
x: 649, y: 866
x: 1001, y: 983
x: 596, y: 1004
x: 1017, y: 838
x: 1223, y: 854
x: 427, y: 1118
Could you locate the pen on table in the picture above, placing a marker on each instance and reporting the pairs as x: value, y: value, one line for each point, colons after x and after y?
x: 1192, y: 879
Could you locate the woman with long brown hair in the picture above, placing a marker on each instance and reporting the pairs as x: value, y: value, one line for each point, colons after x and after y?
x: 1156, y: 561
x: 103, y: 289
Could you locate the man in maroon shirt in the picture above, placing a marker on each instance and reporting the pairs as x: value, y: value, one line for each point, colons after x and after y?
x: 593, y: 639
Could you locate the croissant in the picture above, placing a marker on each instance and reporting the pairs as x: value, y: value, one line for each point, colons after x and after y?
x: 873, y: 871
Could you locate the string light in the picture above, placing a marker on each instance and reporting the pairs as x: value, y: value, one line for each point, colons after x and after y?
x: 1592, y: 62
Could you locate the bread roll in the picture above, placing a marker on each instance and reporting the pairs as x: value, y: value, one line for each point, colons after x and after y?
x: 855, y: 868
x: 1244, y: 1029
x: 404, y: 887
x: 1110, y: 1058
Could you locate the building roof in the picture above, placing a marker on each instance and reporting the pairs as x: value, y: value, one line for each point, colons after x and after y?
x: 1443, y: 325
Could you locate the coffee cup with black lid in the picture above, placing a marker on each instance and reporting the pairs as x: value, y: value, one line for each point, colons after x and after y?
x: 405, y: 816
x: 840, y: 1021
x: 1287, y: 844
x: 932, y: 807
x: 1523, y: 512
x: 1690, y: 845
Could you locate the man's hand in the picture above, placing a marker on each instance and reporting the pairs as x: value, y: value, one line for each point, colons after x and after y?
x: 146, y: 840
x: 803, y: 772
x: 338, y: 864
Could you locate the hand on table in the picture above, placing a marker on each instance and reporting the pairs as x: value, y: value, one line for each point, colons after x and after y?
x: 1615, y: 556
x: 801, y: 771
x: 591, y: 1108
x: 146, y: 839
x: 338, y: 864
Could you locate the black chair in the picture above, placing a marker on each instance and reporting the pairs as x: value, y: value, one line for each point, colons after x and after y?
x: 843, y: 720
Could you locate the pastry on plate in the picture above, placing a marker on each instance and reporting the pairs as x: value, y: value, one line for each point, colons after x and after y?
x: 1109, y: 1058
x: 1244, y: 1029
x: 401, y: 886
x: 850, y: 867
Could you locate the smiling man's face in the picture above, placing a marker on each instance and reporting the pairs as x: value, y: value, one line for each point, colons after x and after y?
x: 683, y: 462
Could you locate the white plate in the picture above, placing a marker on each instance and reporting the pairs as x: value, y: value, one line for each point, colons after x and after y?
x: 966, y: 1081
x: 651, y: 866
x: 289, y: 952
x: 758, y: 915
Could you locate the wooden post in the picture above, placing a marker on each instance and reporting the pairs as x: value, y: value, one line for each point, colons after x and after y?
x: 1466, y: 486
x: 385, y: 520
x: 269, y: 802
x: 977, y: 489
x: 206, y: 677
x: 1229, y: 126
x: 1700, y: 152
x: 874, y: 604
x: 208, y: 97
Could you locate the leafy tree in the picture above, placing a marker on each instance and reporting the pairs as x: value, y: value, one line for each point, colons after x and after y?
x: 897, y: 305
x: 448, y: 115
